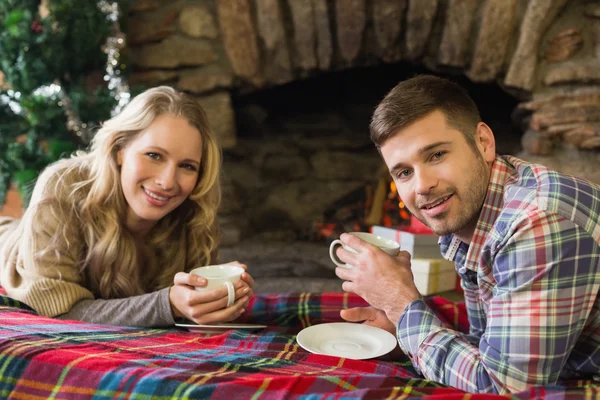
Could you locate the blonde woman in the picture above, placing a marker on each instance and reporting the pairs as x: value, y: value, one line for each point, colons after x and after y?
x: 110, y: 234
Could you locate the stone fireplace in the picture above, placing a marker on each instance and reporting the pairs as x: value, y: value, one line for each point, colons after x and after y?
x: 289, y: 86
x: 303, y: 149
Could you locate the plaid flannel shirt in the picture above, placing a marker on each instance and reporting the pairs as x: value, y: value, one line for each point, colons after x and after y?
x: 531, y: 276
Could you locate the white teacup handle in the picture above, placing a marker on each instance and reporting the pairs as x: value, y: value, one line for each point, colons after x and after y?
x: 230, y: 293
x: 333, y: 256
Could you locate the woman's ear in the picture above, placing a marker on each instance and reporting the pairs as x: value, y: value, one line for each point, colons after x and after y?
x: 120, y: 157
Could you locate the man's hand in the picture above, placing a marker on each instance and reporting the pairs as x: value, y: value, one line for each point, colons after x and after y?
x: 371, y: 316
x: 384, y: 281
x: 377, y: 318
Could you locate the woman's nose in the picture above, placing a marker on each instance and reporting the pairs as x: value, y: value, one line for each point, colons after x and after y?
x: 167, y: 178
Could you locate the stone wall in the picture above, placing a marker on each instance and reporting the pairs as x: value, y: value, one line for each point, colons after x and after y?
x: 546, y: 53
x: 280, y: 181
x: 545, y: 50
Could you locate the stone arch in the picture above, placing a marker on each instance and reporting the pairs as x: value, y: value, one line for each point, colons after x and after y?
x: 546, y: 53
x: 545, y: 50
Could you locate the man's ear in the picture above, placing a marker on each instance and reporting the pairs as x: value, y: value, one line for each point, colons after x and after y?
x: 486, y: 143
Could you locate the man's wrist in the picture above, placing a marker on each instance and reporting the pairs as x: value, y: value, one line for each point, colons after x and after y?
x: 395, y: 312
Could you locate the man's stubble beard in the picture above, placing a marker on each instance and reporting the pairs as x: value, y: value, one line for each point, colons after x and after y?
x: 469, y: 209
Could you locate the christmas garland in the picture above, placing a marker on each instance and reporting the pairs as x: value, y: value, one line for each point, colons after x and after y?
x: 49, y: 65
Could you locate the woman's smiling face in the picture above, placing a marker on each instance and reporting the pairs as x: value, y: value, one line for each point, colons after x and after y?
x: 159, y: 170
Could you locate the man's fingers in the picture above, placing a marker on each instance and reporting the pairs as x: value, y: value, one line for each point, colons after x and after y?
x: 346, y: 256
x: 357, y: 314
x: 356, y: 243
x: 346, y: 274
x: 348, y: 286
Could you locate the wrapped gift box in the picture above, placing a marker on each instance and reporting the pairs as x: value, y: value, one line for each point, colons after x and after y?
x: 434, y: 275
x: 419, y: 245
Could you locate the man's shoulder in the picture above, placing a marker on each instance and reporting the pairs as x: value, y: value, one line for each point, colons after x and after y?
x: 536, y: 188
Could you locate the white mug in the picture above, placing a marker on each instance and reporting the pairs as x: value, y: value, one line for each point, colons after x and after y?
x: 387, y: 245
x: 219, y: 275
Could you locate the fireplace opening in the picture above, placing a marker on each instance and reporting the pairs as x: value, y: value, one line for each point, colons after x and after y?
x: 304, y: 166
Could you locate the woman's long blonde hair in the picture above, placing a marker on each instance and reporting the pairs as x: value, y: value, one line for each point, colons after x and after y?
x: 182, y: 240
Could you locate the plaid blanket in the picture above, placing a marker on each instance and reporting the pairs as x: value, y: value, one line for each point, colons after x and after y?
x: 44, y: 358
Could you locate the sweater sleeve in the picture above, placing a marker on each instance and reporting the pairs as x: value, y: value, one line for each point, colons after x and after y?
x: 147, y: 310
x: 40, y: 269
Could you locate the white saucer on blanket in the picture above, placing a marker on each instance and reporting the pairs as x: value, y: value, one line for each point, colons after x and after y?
x: 204, y: 327
x: 347, y: 340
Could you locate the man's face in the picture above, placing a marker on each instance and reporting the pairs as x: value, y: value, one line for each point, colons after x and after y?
x: 441, y: 179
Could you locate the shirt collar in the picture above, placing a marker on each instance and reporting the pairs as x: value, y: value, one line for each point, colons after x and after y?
x: 492, y: 206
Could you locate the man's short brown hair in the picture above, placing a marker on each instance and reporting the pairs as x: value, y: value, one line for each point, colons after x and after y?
x: 418, y: 97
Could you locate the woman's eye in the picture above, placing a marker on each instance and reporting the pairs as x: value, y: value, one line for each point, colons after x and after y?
x: 189, y: 167
x: 154, y: 156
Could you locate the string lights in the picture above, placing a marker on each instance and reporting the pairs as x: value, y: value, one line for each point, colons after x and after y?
x: 117, y: 86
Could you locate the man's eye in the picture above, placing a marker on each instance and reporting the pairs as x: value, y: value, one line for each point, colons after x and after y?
x: 404, y: 173
x: 437, y: 155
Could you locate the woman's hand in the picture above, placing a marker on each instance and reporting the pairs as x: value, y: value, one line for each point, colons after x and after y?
x: 245, y: 275
x: 209, y: 306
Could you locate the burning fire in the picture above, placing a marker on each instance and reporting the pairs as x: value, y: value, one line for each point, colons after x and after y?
x: 377, y: 206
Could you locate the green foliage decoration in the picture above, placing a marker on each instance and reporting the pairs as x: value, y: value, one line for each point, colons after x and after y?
x: 63, y: 48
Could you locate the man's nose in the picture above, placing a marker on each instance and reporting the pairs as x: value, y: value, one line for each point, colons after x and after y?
x: 426, y: 179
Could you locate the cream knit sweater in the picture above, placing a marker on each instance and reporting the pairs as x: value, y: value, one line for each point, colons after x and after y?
x: 50, y: 282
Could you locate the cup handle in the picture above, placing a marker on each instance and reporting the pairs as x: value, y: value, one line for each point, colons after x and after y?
x: 333, y: 256
x: 230, y: 293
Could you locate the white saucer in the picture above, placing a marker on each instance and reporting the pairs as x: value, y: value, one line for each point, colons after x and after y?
x: 208, y: 327
x: 348, y: 340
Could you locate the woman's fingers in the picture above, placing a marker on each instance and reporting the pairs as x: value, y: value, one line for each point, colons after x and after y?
x: 244, y: 290
x: 209, y: 296
x: 223, y: 314
x: 208, y: 301
x: 246, y: 277
x: 209, y: 304
x: 239, y: 264
x: 184, y: 278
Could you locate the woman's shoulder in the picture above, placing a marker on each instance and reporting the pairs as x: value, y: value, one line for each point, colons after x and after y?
x: 58, y: 179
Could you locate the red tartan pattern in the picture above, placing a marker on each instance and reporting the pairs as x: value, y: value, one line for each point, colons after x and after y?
x: 46, y: 358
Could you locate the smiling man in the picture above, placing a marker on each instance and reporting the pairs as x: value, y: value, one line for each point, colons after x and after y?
x: 525, y: 241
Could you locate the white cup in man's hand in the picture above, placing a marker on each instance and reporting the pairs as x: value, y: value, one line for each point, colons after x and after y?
x: 220, y: 275
x: 387, y: 245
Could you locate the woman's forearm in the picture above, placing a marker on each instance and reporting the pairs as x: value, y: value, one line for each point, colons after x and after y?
x: 147, y: 310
